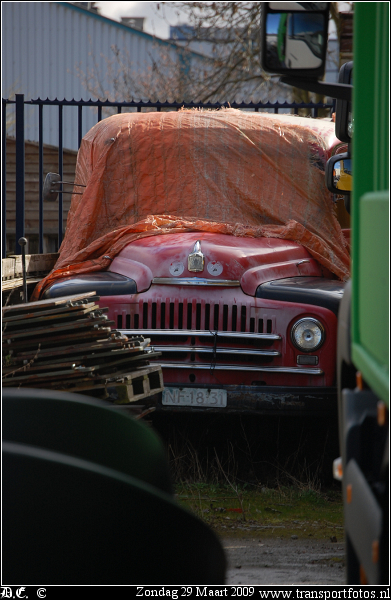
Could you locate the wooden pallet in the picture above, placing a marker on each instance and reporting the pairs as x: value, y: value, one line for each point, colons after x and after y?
x: 67, y: 344
x: 37, y: 267
x: 133, y: 386
x: 142, y: 384
x: 36, y: 264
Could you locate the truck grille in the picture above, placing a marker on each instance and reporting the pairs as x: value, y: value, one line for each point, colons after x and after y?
x: 197, y: 334
x: 200, y: 333
x: 192, y: 316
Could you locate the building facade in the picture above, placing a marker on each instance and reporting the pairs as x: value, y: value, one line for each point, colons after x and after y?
x: 65, y: 51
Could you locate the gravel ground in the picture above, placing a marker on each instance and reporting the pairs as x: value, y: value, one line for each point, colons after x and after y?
x: 278, y: 561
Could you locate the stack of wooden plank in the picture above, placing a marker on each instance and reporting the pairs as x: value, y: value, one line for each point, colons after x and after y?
x: 67, y: 344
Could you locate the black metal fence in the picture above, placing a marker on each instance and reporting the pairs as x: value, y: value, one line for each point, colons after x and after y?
x: 20, y: 104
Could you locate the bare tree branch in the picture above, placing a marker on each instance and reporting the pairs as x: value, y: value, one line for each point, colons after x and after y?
x: 216, y: 57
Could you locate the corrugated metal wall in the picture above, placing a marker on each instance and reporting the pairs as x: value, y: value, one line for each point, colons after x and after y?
x: 43, y: 45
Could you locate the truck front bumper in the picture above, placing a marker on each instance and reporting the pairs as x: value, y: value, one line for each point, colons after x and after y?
x: 262, y: 400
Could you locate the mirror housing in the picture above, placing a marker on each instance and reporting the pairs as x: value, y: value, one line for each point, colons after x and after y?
x: 343, y: 108
x: 339, y: 174
x: 51, y: 187
x: 294, y: 38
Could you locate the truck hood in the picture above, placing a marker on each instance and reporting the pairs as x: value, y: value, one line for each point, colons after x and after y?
x: 247, y: 261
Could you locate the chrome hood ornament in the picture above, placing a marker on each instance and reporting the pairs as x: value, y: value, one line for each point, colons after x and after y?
x: 196, y: 259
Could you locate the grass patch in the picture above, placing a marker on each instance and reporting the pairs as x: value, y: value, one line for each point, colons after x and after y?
x: 249, y: 510
x: 246, y: 476
x: 269, y: 452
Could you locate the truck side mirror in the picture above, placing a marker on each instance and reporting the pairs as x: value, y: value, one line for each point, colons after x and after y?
x: 339, y: 174
x: 294, y: 38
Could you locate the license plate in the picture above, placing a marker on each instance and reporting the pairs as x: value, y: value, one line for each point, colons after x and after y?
x: 194, y: 397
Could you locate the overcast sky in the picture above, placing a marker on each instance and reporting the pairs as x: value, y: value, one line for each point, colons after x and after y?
x: 154, y: 24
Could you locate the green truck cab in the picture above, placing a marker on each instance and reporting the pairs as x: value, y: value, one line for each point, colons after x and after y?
x: 363, y: 322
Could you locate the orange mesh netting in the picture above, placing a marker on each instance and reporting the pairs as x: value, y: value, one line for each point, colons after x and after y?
x: 243, y: 174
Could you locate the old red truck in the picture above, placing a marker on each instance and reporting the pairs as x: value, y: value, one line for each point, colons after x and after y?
x: 213, y: 234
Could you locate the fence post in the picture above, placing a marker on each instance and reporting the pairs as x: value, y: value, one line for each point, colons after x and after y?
x: 22, y: 243
x: 40, y: 150
x: 79, y: 124
x: 4, y: 179
x: 20, y: 170
x: 60, y: 172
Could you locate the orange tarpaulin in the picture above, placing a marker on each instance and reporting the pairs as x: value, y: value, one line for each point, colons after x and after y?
x: 243, y: 174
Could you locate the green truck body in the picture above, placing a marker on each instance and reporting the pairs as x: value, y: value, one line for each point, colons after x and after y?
x: 370, y: 198
x: 363, y: 335
x: 363, y: 317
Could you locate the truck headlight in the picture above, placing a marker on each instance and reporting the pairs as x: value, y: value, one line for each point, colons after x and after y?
x: 307, y: 334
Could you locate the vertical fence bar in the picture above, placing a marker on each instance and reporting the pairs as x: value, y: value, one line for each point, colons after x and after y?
x: 79, y: 124
x: 20, y: 170
x: 60, y: 171
x: 99, y: 114
x: 40, y: 159
x: 4, y: 178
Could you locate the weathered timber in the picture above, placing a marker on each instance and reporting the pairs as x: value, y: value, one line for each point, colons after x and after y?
x: 17, y: 282
x: 50, y: 303
x: 103, y: 348
x: 53, y: 329
x: 72, y: 313
x: 7, y: 269
x: 81, y: 336
x: 67, y: 344
x: 35, y: 263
